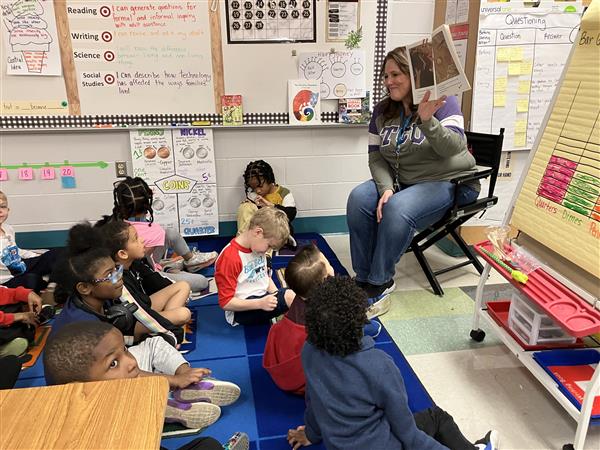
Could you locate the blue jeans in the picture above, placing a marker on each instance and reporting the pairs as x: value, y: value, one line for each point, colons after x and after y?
x: 375, y: 247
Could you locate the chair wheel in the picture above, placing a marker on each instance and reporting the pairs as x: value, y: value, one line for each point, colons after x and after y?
x: 568, y: 447
x: 477, y: 335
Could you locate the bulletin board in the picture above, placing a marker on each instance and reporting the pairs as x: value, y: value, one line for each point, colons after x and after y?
x: 521, y: 53
x: 559, y: 202
x: 154, y: 63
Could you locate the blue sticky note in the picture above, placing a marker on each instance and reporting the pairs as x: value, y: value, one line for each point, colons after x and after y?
x: 68, y: 182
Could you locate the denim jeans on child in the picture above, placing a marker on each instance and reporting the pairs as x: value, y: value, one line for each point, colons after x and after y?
x: 375, y: 247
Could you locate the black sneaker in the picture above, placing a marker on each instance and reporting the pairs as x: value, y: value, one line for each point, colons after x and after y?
x: 379, y: 291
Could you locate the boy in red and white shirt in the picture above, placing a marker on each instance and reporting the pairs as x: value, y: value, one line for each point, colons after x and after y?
x: 246, y: 291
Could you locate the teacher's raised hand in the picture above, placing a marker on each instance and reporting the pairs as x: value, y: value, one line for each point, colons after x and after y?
x: 427, y: 108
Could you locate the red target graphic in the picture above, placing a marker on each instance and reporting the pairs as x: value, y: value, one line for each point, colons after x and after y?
x: 104, y: 11
x: 109, y: 56
x: 106, y: 36
x: 109, y: 78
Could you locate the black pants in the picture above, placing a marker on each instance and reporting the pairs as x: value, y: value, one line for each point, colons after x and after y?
x: 440, y: 425
x: 260, y: 316
x: 37, y: 268
x: 10, y: 368
x: 203, y: 443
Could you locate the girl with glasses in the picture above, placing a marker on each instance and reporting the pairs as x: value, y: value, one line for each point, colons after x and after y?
x: 93, y: 283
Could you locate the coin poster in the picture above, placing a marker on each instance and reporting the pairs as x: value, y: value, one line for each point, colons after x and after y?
x: 179, y: 167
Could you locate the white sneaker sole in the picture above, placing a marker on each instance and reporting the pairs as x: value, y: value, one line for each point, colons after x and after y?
x: 223, y: 393
x: 200, y: 415
x: 379, y: 308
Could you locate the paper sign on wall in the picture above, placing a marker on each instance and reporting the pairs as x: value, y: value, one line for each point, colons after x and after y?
x: 179, y: 166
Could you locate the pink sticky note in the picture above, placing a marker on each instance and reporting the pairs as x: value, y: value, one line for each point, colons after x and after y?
x: 67, y: 171
x: 48, y: 173
x: 26, y: 173
x: 3, y: 174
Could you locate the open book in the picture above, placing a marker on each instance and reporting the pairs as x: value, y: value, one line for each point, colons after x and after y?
x: 435, y: 66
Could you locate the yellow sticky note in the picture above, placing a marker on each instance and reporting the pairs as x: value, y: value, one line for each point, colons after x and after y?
x: 520, y: 126
x: 520, y: 139
x: 499, y: 99
x: 503, y: 54
x: 500, y: 84
x: 526, y: 67
x: 514, y: 68
x: 522, y: 105
x: 516, y: 54
x: 524, y: 87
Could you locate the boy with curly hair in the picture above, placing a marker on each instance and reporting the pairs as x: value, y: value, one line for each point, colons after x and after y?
x: 347, y: 404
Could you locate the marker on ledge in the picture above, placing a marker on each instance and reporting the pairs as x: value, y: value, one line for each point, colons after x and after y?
x: 201, y: 123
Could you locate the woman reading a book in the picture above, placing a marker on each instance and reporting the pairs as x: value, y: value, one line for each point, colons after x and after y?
x: 413, y: 151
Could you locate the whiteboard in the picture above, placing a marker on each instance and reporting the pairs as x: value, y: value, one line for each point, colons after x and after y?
x: 161, y: 57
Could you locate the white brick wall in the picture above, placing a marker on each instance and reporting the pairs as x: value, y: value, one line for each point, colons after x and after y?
x: 320, y: 166
x: 408, y: 21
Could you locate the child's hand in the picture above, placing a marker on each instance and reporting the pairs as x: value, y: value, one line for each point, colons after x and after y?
x: 268, y: 302
x: 35, y: 302
x: 27, y: 317
x: 186, y: 375
x: 297, y: 438
x: 261, y: 202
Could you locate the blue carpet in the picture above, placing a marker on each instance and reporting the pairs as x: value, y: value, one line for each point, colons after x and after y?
x: 235, y: 353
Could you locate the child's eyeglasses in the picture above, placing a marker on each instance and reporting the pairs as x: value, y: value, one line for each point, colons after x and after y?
x: 114, y: 276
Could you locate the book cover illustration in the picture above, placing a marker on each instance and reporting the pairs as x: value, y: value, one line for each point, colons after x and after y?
x: 231, y: 108
x: 354, y: 110
x: 304, y: 102
x: 435, y: 66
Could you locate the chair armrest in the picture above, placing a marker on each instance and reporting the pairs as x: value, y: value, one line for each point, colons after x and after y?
x: 482, y: 172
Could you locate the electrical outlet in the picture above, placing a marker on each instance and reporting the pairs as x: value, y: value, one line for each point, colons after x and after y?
x: 121, y: 169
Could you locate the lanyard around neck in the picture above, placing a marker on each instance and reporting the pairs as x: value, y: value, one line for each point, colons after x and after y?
x: 406, y: 121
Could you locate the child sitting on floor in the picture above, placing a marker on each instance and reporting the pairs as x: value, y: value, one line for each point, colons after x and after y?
x: 142, y: 282
x: 95, y: 351
x: 355, y: 393
x: 262, y: 191
x: 93, y: 285
x: 17, y: 327
x: 246, y: 291
x: 286, y: 338
x: 19, y: 267
x: 282, y: 356
x: 133, y: 203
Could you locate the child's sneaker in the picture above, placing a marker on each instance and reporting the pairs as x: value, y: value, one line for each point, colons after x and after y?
x: 380, y: 307
x: 491, y: 441
x: 192, y: 415
x: 199, y: 260
x: 373, y: 328
x: 218, y: 392
x: 16, y: 347
x: 239, y: 441
x: 171, y: 265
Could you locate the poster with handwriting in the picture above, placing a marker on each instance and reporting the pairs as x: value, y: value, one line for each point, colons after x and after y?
x: 29, y: 36
x: 141, y: 53
x: 341, y: 74
x: 179, y: 166
x: 521, y: 53
x: 559, y: 204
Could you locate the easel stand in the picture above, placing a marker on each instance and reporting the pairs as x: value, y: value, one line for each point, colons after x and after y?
x: 572, y: 305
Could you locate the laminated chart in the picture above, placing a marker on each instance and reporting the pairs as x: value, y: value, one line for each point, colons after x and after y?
x: 521, y: 53
x: 559, y: 204
x: 179, y: 167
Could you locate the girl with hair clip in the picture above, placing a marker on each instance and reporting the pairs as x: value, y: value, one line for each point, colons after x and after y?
x: 142, y: 282
x: 93, y: 284
x: 263, y: 192
x: 133, y: 200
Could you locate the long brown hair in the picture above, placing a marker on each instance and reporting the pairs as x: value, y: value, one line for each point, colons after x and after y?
x: 391, y: 108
